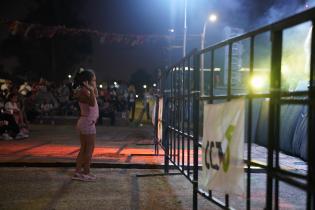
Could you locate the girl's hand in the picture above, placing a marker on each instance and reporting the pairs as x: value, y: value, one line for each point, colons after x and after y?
x: 88, y: 86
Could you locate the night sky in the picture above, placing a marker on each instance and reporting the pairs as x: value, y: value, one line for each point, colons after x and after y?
x: 149, y: 17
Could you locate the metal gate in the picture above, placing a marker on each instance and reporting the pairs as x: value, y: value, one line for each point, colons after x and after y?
x: 184, y: 97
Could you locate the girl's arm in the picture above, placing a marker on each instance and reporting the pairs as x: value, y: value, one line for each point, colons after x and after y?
x: 86, y: 95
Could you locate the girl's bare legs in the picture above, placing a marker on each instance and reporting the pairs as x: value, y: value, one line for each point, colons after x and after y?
x: 80, y: 158
x: 90, y: 144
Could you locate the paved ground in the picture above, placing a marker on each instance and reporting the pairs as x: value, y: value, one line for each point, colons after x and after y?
x: 116, y: 188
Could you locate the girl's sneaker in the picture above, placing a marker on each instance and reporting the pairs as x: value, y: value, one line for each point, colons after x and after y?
x: 92, y: 175
x: 84, y: 177
x: 89, y: 177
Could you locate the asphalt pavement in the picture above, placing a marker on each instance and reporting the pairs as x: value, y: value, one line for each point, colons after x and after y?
x: 35, y: 173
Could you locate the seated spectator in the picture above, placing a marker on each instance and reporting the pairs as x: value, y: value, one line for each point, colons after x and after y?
x: 12, y: 107
x: 9, y: 129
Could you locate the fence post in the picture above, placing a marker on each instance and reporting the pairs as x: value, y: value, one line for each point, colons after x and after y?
x: 165, y: 121
x: 311, y: 132
x: 274, y: 111
x: 156, y: 124
x: 196, y: 93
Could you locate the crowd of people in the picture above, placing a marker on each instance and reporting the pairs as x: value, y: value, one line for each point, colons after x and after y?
x: 22, y: 104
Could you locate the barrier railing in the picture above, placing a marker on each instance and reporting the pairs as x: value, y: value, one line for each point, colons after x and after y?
x: 183, y: 101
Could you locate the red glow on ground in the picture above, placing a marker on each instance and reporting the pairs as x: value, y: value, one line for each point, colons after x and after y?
x: 35, y: 151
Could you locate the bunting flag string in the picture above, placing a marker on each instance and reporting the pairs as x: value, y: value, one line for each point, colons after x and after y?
x: 38, y: 31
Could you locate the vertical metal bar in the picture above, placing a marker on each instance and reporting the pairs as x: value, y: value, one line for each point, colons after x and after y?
x: 172, y: 114
x: 211, y: 91
x: 165, y: 135
x: 249, y: 127
x: 183, y: 114
x: 178, y: 113
x: 229, y: 82
x: 276, y: 181
x: 211, y: 77
x: 227, y: 203
x: 277, y: 125
x: 176, y: 116
x: 273, y: 128
x: 180, y: 107
x: 311, y: 131
x: 156, y: 120
x: 189, y: 111
x: 196, y: 92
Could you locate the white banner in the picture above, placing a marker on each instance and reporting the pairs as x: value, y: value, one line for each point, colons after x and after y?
x: 222, y: 147
x: 160, y: 118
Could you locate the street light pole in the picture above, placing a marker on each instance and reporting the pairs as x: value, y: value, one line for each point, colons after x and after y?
x: 185, y: 30
x: 202, y: 43
x: 212, y: 18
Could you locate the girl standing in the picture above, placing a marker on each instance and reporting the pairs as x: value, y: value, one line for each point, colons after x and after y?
x: 86, y: 93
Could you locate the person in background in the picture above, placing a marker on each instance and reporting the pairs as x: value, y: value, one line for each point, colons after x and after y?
x: 107, y: 110
x: 46, y: 109
x: 25, y: 88
x: 12, y: 107
x: 132, y: 101
x: 30, y: 108
x: 64, y: 97
x: 146, y: 102
x: 8, y: 126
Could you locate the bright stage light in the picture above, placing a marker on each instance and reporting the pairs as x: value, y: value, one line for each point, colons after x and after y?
x: 258, y: 82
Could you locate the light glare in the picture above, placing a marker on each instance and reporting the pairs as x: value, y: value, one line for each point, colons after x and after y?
x: 257, y: 82
x: 213, y: 17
